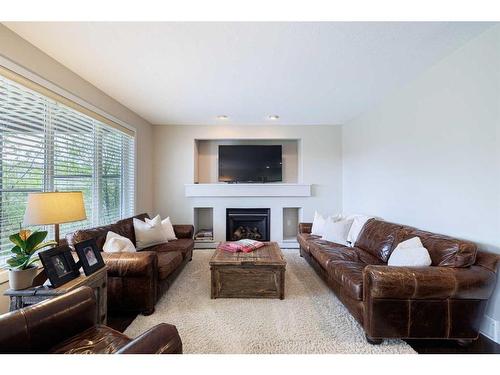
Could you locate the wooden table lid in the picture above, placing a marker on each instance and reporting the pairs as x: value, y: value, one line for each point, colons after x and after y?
x: 270, y: 255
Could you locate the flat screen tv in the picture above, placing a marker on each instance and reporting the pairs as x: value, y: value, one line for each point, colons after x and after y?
x: 250, y: 163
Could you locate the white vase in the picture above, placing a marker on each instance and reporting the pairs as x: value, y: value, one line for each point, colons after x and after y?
x: 21, y: 279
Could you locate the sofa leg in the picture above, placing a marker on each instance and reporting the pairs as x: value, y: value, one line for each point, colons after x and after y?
x: 373, y: 341
x: 148, y: 312
x: 464, y: 342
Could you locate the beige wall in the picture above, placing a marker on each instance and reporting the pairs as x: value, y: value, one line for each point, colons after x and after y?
x: 429, y: 155
x: 25, y: 55
x: 208, y: 158
x: 319, y: 163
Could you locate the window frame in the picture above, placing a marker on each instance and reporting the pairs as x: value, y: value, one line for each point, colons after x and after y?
x: 127, y: 178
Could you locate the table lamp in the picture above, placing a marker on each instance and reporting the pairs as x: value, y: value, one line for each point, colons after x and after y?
x: 54, y: 208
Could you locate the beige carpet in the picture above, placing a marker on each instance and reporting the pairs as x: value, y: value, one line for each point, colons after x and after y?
x: 309, y: 320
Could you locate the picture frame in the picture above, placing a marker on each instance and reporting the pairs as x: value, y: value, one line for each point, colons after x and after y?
x: 90, y: 256
x: 59, y: 265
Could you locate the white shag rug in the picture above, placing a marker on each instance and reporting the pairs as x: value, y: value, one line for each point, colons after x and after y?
x: 309, y: 320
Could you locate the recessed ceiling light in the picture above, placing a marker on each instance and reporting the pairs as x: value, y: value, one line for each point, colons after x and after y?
x: 222, y: 117
x: 273, y: 117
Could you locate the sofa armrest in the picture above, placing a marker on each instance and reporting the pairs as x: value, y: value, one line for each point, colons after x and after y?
x: 133, y: 264
x: 184, y: 230
x: 386, y: 282
x: 161, y: 339
x: 305, y: 227
x: 37, y: 328
x: 488, y: 260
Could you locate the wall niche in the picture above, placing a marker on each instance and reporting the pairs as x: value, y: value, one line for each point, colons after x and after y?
x: 206, y: 158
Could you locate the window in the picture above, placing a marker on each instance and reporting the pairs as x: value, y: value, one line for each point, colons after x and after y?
x: 47, y: 146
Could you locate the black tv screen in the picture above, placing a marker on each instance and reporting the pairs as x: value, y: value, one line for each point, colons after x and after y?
x: 250, y: 163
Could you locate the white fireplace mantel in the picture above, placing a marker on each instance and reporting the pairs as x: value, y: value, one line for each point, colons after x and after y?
x: 247, y: 190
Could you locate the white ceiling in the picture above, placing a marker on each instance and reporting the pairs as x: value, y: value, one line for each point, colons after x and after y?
x: 307, y: 73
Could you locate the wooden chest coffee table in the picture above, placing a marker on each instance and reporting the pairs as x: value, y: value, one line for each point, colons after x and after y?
x: 258, y: 274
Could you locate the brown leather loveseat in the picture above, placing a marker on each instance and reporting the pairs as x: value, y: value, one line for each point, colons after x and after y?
x: 446, y: 300
x: 136, y: 280
x: 67, y: 325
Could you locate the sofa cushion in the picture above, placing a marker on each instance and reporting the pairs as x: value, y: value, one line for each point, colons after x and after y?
x: 379, y: 238
x: 318, y: 242
x: 95, y: 340
x: 168, y: 262
x: 365, y: 257
x: 305, y: 239
x: 349, y: 275
x: 324, y: 253
x: 182, y: 244
x: 444, y: 251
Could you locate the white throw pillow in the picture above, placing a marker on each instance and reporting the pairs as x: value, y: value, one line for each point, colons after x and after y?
x: 336, y: 231
x: 117, y: 244
x: 319, y: 222
x: 358, y: 222
x: 148, y: 234
x: 410, y: 253
x: 167, y: 226
x: 410, y: 243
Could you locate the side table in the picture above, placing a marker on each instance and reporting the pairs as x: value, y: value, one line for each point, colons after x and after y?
x: 98, y: 281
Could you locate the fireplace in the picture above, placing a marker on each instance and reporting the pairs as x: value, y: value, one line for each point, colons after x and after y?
x: 250, y: 223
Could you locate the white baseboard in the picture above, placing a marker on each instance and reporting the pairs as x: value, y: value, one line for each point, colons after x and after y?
x: 288, y: 245
x: 201, y: 245
x: 491, y: 328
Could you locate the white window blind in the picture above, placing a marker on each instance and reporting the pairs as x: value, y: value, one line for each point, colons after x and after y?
x: 47, y: 146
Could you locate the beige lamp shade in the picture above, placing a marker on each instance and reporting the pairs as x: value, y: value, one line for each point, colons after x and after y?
x: 54, y: 208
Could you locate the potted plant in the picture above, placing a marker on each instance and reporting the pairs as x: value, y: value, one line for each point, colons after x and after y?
x: 22, y: 271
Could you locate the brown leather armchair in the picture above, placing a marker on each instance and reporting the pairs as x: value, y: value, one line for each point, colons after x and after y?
x: 67, y: 325
x: 444, y: 301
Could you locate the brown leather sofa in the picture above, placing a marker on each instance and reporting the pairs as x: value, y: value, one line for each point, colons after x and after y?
x: 67, y: 325
x: 444, y: 301
x: 137, y: 280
